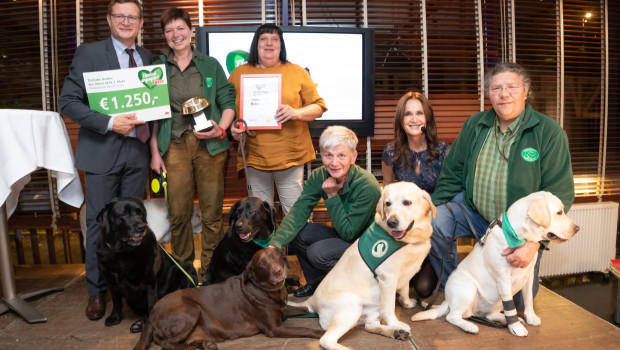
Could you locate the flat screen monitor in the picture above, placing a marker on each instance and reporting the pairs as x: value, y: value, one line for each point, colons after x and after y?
x: 339, y: 60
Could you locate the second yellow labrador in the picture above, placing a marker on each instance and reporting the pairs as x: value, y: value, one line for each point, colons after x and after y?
x: 362, y: 287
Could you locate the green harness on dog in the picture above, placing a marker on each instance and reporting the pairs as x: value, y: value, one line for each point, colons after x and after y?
x: 376, y: 245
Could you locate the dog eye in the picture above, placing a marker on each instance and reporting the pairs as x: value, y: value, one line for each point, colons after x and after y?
x: 387, y: 204
x: 560, y: 212
x: 406, y: 202
x: 251, y: 212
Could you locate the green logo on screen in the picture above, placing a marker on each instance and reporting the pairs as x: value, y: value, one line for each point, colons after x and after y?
x: 234, y: 59
x: 530, y: 155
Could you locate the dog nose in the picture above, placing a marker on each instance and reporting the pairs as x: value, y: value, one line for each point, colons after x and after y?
x: 140, y: 227
x: 576, y: 229
x: 392, y: 222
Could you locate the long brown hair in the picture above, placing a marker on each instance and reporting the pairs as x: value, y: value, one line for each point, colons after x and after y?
x: 401, y: 144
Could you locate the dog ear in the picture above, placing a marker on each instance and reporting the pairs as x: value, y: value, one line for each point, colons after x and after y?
x: 233, y: 213
x: 249, y: 271
x: 103, y: 217
x: 428, y: 199
x: 272, y: 214
x: 380, y: 206
x: 538, y: 212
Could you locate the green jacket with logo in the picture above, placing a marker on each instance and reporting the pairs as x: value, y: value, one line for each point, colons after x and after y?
x: 350, y: 212
x: 539, y: 160
x: 221, y: 96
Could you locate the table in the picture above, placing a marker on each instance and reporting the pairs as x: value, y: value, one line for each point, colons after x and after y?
x: 30, y: 140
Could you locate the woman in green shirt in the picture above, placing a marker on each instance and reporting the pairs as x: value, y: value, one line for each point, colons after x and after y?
x: 192, y: 159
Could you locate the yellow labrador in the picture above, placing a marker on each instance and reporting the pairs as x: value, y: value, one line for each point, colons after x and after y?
x: 364, y: 291
x: 483, y: 284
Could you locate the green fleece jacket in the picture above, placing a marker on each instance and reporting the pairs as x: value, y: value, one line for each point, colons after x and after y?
x: 350, y: 212
x: 220, y: 94
x: 539, y: 160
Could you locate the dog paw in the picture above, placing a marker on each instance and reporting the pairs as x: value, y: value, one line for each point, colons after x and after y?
x: 204, y: 345
x: 469, y: 328
x: 496, y: 317
x: 532, y: 319
x: 112, y: 320
x: 407, y: 303
x: 517, y: 329
x: 401, y: 334
x: 402, y: 326
x: 136, y: 327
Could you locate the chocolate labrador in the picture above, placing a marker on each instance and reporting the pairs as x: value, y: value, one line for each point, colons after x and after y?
x: 132, y: 263
x: 241, y: 306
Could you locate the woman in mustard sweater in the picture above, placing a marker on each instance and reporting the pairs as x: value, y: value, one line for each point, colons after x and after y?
x: 278, y: 156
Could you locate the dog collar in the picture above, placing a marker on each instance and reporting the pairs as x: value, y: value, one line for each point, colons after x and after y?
x: 263, y: 243
x: 511, y: 236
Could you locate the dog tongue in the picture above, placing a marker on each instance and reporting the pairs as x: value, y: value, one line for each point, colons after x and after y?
x: 398, y: 234
x: 245, y: 236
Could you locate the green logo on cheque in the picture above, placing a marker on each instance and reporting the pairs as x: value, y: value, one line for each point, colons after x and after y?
x: 152, y: 78
x: 530, y: 154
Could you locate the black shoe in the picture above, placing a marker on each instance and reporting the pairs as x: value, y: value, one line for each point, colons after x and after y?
x: 136, y: 327
x: 305, y: 290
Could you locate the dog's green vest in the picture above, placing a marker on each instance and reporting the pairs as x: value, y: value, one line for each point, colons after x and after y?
x: 376, y: 245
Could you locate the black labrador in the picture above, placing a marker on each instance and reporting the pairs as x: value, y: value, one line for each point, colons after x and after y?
x: 251, y: 221
x: 133, y: 264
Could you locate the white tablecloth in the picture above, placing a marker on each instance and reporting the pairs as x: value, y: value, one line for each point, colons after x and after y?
x: 30, y: 140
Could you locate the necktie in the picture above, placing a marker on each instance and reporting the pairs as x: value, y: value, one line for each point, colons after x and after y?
x: 142, y: 130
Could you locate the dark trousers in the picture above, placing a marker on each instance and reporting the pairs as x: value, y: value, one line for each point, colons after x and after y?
x: 128, y: 177
x: 318, y: 248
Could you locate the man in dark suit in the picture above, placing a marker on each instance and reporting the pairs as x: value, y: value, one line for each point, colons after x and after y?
x: 109, y: 151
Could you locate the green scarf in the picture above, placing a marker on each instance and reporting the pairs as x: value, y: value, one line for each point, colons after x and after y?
x: 511, y: 236
x: 263, y: 243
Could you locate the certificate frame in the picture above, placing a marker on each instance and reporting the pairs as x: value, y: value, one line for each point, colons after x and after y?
x: 259, y: 94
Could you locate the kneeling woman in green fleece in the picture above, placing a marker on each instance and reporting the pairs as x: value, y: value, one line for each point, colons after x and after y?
x: 350, y: 194
x: 191, y: 158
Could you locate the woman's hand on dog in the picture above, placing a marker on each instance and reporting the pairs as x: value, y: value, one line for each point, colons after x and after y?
x: 523, y: 255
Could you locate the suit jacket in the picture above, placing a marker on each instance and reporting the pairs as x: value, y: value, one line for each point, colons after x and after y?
x: 97, y: 148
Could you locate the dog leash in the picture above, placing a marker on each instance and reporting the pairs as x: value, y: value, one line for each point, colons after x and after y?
x: 241, y: 148
x: 159, y: 182
x: 179, y: 266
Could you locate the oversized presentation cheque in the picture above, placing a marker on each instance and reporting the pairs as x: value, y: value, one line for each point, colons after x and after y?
x: 143, y: 90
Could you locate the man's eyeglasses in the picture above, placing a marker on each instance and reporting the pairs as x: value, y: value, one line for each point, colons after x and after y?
x: 512, y: 89
x: 121, y: 19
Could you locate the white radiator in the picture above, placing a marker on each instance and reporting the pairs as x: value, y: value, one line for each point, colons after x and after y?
x: 591, y: 248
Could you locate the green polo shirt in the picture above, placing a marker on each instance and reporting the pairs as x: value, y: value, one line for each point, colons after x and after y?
x: 491, y: 173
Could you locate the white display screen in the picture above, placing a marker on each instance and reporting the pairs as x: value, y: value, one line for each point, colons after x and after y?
x: 334, y: 61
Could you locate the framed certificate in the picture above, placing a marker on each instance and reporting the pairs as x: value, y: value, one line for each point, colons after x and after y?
x: 261, y: 94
